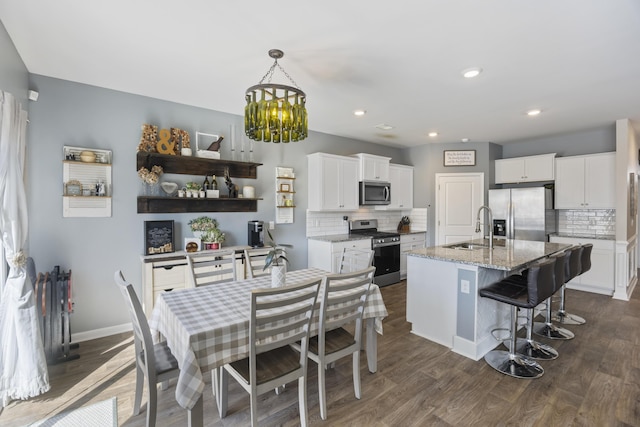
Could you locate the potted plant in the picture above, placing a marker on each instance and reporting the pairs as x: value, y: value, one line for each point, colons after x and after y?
x: 206, y: 229
x: 276, y: 260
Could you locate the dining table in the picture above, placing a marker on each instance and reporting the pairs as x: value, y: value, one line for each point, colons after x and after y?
x: 207, y: 327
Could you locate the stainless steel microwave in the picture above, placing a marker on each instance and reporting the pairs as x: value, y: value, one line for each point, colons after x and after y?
x: 375, y: 193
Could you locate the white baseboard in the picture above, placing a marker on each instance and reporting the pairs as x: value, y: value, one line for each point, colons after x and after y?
x: 101, y: 333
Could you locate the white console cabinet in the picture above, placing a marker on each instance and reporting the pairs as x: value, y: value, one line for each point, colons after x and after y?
x: 333, y: 182
x: 600, y: 278
x: 525, y: 169
x: 586, y: 182
x: 408, y: 243
x: 326, y: 255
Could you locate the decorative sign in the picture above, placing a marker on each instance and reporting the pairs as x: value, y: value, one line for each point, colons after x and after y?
x: 459, y: 157
x: 158, y: 237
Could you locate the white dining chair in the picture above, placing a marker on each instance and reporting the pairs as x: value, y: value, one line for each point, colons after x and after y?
x: 342, y: 302
x: 154, y: 362
x: 212, y: 267
x: 255, y: 259
x: 353, y: 259
x: 279, y: 318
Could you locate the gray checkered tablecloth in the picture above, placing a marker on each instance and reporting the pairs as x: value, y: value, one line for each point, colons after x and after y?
x: 207, y: 327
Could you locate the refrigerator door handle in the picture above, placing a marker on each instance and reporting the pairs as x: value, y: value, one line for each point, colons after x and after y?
x: 511, y: 222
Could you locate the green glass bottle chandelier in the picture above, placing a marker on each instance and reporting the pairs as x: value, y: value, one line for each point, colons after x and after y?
x: 275, y: 112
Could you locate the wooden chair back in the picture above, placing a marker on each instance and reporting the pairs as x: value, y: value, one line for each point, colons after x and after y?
x: 355, y: 260
x: 255, y: 260
x: 212, y: 268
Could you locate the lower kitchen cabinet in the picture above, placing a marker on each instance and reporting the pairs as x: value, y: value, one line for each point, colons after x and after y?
x: 326, y: 254
x: 600, y: 278
x: 408, y: 243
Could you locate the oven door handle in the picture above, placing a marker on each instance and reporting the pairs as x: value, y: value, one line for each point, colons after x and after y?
x: 384, y: 245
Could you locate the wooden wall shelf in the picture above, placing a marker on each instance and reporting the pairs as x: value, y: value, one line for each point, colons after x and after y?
x: 189, y: 165
x: 183, y: 205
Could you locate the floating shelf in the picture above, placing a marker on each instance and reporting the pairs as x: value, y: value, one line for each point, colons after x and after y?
x: 190, y: 165
x: 184, y: 204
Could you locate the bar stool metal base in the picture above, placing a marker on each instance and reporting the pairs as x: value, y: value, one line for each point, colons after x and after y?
x: 513, y: 365
x: 565, y: 318
x: 553, y: 332
x: 535, y: 350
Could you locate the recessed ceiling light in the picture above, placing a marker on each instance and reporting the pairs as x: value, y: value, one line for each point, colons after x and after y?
x: 533, y: 112
x: 465, y: 140
x: 359, y: 113
x: 384, y: 126
x: 433, y: 134
x: 470, y: 73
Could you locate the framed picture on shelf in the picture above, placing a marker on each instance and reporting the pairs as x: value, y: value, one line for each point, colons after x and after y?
x: 158, y: 237
x: 285, y: 188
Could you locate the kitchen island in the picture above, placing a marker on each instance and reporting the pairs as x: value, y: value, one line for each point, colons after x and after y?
x: 443, y: 304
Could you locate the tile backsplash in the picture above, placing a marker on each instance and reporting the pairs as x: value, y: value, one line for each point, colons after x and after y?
x: 330, y: 223
x: 596, y: 222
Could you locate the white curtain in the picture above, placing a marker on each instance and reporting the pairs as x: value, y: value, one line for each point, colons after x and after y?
x: 23, y: 367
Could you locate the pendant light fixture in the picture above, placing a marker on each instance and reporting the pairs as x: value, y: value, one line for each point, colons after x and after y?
x: 275, y: 112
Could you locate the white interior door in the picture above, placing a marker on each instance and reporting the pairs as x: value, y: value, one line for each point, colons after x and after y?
x: 458, y: 198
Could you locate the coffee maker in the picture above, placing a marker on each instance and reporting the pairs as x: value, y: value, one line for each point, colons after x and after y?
x: 256, y: 234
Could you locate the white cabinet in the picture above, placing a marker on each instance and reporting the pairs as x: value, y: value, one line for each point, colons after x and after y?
x: 333, y: 182
x: 525, y: 169
x: 373, y: 168
x: 600, y: 278
x: 408, y: 243
x: 401, y: 179
x: 326, y: 255
x: 586, y: 182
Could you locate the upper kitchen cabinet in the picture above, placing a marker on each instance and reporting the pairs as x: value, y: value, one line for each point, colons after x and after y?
x: 525, y: 169
x: 333, y: 182
x: 586, y: 182
x: 401, y: 179
x: 373, y: 168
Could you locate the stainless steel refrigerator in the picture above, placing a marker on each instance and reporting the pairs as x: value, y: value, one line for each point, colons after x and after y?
x: 523, y: 213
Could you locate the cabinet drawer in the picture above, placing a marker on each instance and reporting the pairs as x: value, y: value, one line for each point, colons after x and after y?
x: 167, y: 276
x: 351, y: 244
x: 412, y: 238
x: 157, y: 293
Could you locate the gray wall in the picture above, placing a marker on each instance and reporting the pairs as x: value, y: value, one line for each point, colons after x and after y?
x: 590, y: 141
x: 429, y: 160
x: 74, y: 114
x: 14, y: 77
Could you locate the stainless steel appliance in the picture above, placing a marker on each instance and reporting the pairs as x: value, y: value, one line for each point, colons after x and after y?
x: 386, y: 250
x: 523, y: 213
x: 375, y: 193
x: 255, y: 234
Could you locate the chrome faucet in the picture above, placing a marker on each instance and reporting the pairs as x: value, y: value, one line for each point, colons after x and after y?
x: 490, y: 225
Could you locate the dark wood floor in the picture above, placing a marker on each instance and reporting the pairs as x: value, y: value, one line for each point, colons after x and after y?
x: 594, y: 382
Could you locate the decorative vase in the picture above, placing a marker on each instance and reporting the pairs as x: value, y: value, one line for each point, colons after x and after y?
x: 278, y: 276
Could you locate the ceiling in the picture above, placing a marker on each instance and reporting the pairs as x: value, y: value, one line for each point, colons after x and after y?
x: 576, y: 60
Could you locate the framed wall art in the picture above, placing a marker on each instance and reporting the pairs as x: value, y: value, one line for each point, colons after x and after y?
x: 158, y: 237
x: 459, y: 157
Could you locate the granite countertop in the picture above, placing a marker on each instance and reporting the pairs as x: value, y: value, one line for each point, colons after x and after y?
x: 413, y: 232
x: 586, y: 236
x: 339, y: 238
x: 506, y: 255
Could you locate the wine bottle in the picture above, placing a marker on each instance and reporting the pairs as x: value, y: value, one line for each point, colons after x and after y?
x: 205, y: 184
x: 214, y: 183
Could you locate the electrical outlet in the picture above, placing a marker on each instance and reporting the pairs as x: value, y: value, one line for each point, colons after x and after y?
x: 345, y: 218
x: 272, y: 225
x: 464, y: 286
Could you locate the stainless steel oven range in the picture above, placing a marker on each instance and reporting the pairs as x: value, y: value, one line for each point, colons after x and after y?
x: 386, y: 250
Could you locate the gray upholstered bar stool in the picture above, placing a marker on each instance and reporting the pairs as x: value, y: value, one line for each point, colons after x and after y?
x: 539, y: 285
x: 561, y: 316
x: 548, y: 329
